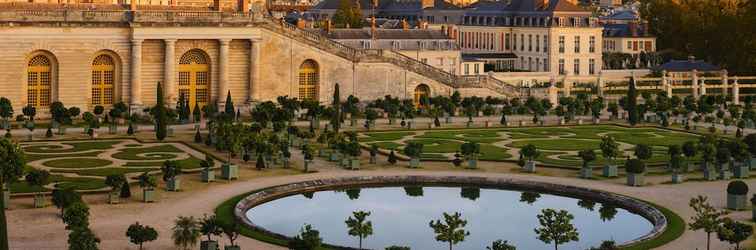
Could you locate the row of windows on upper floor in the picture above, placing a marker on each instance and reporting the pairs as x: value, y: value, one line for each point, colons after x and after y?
x: 509, y: 42
x: 405, y: 45
x: 530, y: 21
x: 612, y: 45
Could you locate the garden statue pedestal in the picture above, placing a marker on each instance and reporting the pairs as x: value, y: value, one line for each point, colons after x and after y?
x: 113, y: 198
x: 208, y: 175
x: 709, y: 174
x: 414, y: 163
x: 610, y: 171
x: 737, y: 202
x: 530, y: 167
x: 488, y: 124
x: 741, y: 171
x: 229, y: 171
x: 586, y: 173
x: 148, y: 195
x: 39, y: 201
x: 678, y: 178
x: 173, y: 185
x: 580, y: 121
x: 354, y: 164
x: 635, y: 180
x: 209, y: 245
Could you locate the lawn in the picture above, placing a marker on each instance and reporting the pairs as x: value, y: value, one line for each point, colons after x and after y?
x: 77, y: 163
x: 76, y: 147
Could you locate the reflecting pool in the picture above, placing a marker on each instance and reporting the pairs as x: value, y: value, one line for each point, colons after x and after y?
x: 400, y: 216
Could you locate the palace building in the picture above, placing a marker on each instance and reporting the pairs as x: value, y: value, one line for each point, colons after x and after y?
x: 89, y: 54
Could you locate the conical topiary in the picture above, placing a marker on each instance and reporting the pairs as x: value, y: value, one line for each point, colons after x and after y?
x: 126, y: 190
x: 49, y: 133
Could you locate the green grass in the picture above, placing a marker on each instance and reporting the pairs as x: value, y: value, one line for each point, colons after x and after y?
x: 35, y: 157
x: 106, y: 171
x: 438, y: 146
x: 559, y: 144
x: 387, y: 145
x: 493, y: 153
x: 77, y: 163
x: 131, y: 153
x: 78, y: 183
x: 77, y: 147
x: 675, y: 228
x: 384, y: 136
x: 190, y: 163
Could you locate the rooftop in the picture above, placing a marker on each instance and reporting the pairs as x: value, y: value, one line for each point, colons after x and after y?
x: 688, y: 65
x: 389, y: 34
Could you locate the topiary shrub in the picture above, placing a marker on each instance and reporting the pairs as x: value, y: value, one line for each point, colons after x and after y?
x: 753, y: 200
x: 635, y: 166
x: 737, y: 188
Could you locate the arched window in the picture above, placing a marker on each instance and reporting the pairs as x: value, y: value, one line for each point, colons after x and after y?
x: 39, y: 79
x: 103, y: 79
x: 421, y: 91
x: 309, y: 79
x: 194, y: 78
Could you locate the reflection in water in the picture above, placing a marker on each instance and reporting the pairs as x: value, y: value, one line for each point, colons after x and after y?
x: 400, y: 216
x: 607, y: 212
x: 529, y: 197
x: 414, y: 191
x: 353, y: 193
x: 308, y: 195
x: 587, y: 204
x: 472, y: 193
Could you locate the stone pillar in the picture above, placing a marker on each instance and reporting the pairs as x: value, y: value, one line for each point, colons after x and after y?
x: 665, y: 83
x: 254, y: 69
x: 735, y: 91
x: 223, y: 71
x: 566, y: 87
x: 136, y: 73
x: 600, y: 85
x: 170, y: 71
x: 725, y: 83
x: 696, y: 89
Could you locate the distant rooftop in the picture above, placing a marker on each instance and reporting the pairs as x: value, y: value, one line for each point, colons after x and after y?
x: 688, y: 65
x: 390, y: 34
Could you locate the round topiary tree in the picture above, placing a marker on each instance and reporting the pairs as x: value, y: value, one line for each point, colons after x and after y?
x: 635, y: 166
x: 737, y: 188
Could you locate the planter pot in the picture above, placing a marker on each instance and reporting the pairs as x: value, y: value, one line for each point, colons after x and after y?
x: 678, y: 178
x: 530, y: 167
x: 596, y: 120
x: 448, y: 119
x: 232, y: 248
x: 209, y: 245
x: 229, y: 171
x: 741, y: 171
x: 580, y: 121
x: 173, y: 185
x: 373, y: 159
x: 488, y: 124
x: 148, y: 195
x: 344, y: 163
x: 354, y: 164
x: 472, y: 163
x: 709, y: 174
x: 286, y: 162
x: 752, y: 163
x: 725, y: 175
x: 610, y: 171
x: 196, y: 127
x: 586, y: 173
x: 61, y: 130
x: 321, y: 152
x: 169, y: 132
x: 737, y: 202
x: 114, y: 198
x: 335, y: 156
x: 208, y: 175
x: 635, y: 180
x: 410, y: 125
x: 6, y: 198
x: 39, y: 201
x: 315, y: 123
x: 469, y: 124
x: 414, y: 163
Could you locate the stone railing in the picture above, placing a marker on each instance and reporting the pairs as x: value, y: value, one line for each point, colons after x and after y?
x: 126, y: 16
x: 412, y: 65
x: 656, y: 217
x: 311, y: 38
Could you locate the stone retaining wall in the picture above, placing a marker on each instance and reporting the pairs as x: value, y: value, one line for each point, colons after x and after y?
x: 633, y: 205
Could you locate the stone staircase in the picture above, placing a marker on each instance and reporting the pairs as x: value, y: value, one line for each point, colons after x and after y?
x: 388, y: 56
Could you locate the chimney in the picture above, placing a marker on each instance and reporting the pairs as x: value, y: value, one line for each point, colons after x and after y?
x: 633, y: 29
x: 405, y: 25
x: 372, y: 27
x: 301, y: 23
x: 427, y: 3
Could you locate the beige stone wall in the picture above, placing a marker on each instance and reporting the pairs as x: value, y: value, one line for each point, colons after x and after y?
x: 153, y: 56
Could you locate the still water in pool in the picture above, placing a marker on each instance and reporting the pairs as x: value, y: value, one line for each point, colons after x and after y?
x: 400, y: 216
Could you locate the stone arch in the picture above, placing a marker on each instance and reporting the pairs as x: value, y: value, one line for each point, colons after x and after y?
x: 194, y: 79
x: 422, y: 90
x: 41, y: 78
x: 309, y: 80
x: 106, y: 78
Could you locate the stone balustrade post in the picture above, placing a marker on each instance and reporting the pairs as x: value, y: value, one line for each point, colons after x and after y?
x: 735, y: 91
x: 725, y: 82
x: 697, y: 90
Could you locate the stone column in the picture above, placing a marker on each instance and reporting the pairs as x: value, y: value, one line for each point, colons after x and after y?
x: 170, y: 71
x: 600, y: 85
x: 694, y: 84
x: 223, y: 71
x: 136, y: 73
x: 665, y: 84
x: 254, y: 69
x: 735, y: 91
x: 725, y: 82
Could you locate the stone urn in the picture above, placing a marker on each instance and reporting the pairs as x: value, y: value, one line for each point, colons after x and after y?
x: 741, y: 171
x: 586, y: 172
x: 229, y: 171
x: 736, y: 195
x: 636, y: 179
x: 114, y: 198
x: 678, y: 178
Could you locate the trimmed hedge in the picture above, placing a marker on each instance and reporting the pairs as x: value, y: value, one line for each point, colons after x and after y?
x: 635, y: 166
x: 737, y: 188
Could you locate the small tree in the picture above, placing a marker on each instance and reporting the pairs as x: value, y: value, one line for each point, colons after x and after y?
x: 147, y: 181
x: 76, y: 216
x: 706, y: 218
x: 12, y: 164
x: 609, y: 149
x: 159, y: 115
x: 643, y: 152
x: 209, y: 226
x: 588, y: 156
x: 689, y: 149
x: 63, y: 198
x: 451, y: 230
x: 139, y: 234
x: 231, y: 230
x: 530, y: 151
x: 336, y: 105
x: 734, y: 232
x: 185, y: 232
x: 83, y: 239
x: 556, y: 227
x: 38, y: 178
x: 170, y: 170
x: 115, y: 182
x: 359, y: 226
x: 413, y: 149
x: 308, y: 239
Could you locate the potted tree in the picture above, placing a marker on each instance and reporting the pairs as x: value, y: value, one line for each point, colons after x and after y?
x: 636, y: 170
x: 708, y: 151
x: 530, y: 152
x: 610, y: 151
x: 307, y: 152
x: 736, y: 195
x: 148, y: 183
x: 373, y: 154
x: 6, y: 112
x: 38, y: 179
x: 750, y: 140
x: 231, y: 230
x: 30, y: 112
x: 414, y: 150
x: 753, y: 207
x: 370, y: 116
x: 352, y: 150
x: 586, y: 172
x: 723, y: 158
x: 115, y: 182
x: 209, y: 226
x: 208, y: 175
x: 689, y: 149
x: 741, y: 156
x: 171, y: 171
x: 471, y: 150
x: 676, y: 165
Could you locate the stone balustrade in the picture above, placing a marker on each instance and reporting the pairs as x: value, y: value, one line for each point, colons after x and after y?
x: 124, y: 16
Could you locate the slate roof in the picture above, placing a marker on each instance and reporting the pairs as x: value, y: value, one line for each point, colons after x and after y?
x: 621, y: 15
x: 623, y: 30
x: 483, y: 56
x: 390, y: 34
x: 409, y: 5
x: 688, y: 65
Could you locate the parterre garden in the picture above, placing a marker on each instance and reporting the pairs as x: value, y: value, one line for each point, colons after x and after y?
x: 83, y: 165
x: 559, y: 145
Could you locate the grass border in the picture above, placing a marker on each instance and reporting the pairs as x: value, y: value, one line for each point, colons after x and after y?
x: 676, y: 226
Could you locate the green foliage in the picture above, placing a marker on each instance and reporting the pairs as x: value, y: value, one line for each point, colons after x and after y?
x: 6, y: 108
x: 643, y: 151
x: 530, y: 151
x: 76, y: 216
x: 359, y: 226
x: 556, y: 227
x: 186, y: 232
x: 737, y: 187
x: 734, y: 232
x: 63, y: 198
x: 82, y: 239
x: 125, y: 191
x: 38, y: 177
x: 609, y: 148
x: 470, y: 149
x: 392, y: 158
x: 147, y: 181
x: 115, y: 181
x: 348, y: 15
x: 413, y: 149
x: 336, y: 105
x: 635, y: 166
x: 140, y: 234
x: 501, y: 245
x: 170, y: 170
x: 588, y: 156
x: 706, y: 217
x: 210, y: 226
x: 308, y: 239
x: 397, y: 248
x: 631, y: 103
x: 159, y: 115
x: 451, y: 230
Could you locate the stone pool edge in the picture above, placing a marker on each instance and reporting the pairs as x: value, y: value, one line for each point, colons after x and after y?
x: 644, y: 209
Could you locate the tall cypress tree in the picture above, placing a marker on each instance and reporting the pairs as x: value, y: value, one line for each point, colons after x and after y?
x: 336, y: 119
x: 229, y: 109
x: 158, y: 112
x: 632, y: 103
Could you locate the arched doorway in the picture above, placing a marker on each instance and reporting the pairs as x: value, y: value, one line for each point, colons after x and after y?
x: 103, y: 80
x: 309, y: 79
x: 194, y: 78
x: 39, y: 77
x: 421, y: 91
